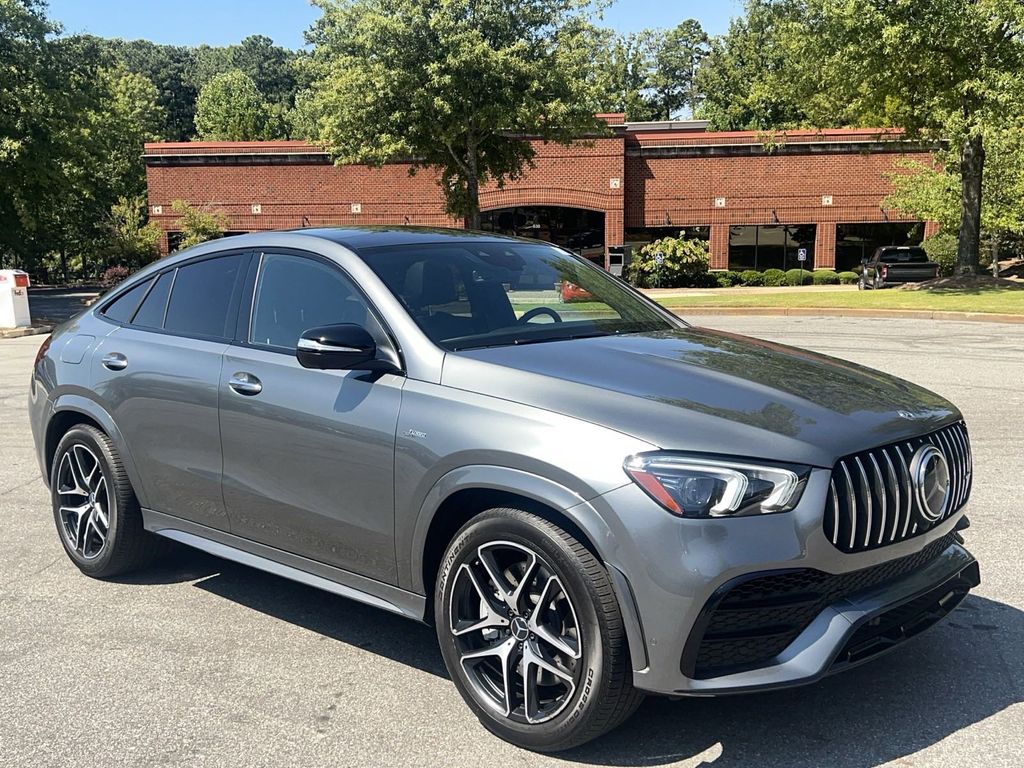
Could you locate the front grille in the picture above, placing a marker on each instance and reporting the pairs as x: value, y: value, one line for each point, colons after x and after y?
x: 750, y: 621
x: 872, y: 500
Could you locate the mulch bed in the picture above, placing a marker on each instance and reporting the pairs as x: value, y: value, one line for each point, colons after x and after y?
x: 965, y: 282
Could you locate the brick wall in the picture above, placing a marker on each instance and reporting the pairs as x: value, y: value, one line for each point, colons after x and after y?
x: 637, y: 178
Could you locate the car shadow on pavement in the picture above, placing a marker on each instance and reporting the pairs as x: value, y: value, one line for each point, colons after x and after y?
x: 334, y: 617
x: 965, y: 670
x: 959, y: 673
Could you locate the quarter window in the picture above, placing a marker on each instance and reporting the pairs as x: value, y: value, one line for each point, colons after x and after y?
x: 201, y: 298
x: 123, y: 307
x: 295, y: 293
x: 151, y: 312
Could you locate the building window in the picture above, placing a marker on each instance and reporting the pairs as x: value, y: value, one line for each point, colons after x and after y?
x: 855, y: 242
x: 641, y: 236
x: 771, y: 247
x: 578, y: 229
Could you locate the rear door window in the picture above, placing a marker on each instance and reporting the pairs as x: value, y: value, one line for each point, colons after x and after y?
x: 200, y: 303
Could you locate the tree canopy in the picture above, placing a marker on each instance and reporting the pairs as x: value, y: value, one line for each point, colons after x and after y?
x: 231, y: 108
x: 451, y: 84
x: 950, y: 69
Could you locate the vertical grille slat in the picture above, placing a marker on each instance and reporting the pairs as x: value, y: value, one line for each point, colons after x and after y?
x: 867, y: 498
x: 883, y: 494
x: 871, y: 499
x: 954, y: 440
x: 894, y: 484
x: 851, y: 504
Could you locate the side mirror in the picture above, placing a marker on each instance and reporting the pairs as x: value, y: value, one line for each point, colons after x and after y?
x: 336, y: 347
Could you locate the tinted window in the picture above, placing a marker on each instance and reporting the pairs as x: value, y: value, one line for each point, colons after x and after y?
x: 485, y: 294
x: 904, y: 256
x: 123, y: 307
x: 151, y: 313
x: 202, y: 296
x: 294, y: 294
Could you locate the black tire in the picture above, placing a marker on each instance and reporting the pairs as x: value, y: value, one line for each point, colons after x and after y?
x: 603, y: 696
x: 127, y: 546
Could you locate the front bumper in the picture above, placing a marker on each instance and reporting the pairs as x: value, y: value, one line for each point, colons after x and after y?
x: 679, y: 570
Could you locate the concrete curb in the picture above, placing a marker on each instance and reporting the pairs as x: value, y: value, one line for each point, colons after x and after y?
x: 16, y: 333
x: 907, y: 314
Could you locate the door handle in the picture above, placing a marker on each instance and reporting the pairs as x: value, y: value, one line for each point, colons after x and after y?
x: 245, y: 384
x: 115, y: 361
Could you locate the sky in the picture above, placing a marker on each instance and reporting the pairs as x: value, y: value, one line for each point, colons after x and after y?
x: 222, y: 22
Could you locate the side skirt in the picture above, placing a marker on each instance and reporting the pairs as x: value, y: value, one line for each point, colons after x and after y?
x: 287, y: 565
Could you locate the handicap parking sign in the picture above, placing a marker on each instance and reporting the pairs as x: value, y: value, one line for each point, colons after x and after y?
x: 801, y: 254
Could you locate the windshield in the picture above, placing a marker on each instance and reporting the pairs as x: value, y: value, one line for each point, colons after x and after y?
x: 485, y: 294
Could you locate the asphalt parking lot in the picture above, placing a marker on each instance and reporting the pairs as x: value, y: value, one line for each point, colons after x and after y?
x: 205, y: 663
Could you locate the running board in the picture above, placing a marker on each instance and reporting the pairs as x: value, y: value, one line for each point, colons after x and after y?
x: 286, y: 565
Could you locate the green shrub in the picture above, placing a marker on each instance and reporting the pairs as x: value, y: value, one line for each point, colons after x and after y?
x: 707, y: 280
x: 825, y: 277
x: 941, y: 249
x: 728, y: 279
x: 848, y: 278
x: 685, y: 264
x: 751, y: 277
x: 798, y: 277
x: 774, y: 277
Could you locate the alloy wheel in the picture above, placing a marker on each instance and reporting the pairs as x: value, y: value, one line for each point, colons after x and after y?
x: 516, y: 632
x: 84, y: 501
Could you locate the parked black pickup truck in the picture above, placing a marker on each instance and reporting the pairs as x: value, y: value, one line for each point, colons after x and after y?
x: 895, y: 265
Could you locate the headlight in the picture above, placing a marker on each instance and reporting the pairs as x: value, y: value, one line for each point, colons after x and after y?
x: 705, y: 487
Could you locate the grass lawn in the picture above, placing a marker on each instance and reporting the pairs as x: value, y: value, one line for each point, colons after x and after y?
x: 1003, y: 300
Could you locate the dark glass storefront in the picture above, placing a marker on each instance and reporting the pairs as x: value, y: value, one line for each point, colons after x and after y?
x: 577, y: 229
x: 771, y: 247
x: 639, y: 237
x: 855, y: 242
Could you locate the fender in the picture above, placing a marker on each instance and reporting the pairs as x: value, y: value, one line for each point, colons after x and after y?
x: 495, y: 478
x: 551, y: 494
x: 94, y: 410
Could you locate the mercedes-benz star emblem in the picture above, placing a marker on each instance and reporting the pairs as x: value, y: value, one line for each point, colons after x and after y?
x: 931, y: 482
x: 520, y: 630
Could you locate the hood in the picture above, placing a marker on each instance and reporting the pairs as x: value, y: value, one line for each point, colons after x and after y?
x: 709, y: 391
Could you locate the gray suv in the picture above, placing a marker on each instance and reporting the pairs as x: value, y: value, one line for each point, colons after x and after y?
x: 590, y: 499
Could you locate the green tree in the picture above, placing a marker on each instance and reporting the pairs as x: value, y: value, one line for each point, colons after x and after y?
x: 933, y: 191
x: 272, y: 69
x: 35, y: 108
x: 170, y: 69
x: 677, y: 59
x: 740, y: 78
x: 197, y: 225
x: 231, y: 108
x: 624, y: 72
x: 451, y: 84
x: 940, y: 68
x: 132, y: 241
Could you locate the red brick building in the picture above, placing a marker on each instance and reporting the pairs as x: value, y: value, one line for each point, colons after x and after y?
x: 761, y: 200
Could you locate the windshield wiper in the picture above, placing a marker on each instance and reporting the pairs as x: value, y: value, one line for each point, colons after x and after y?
x: 591, y: 335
